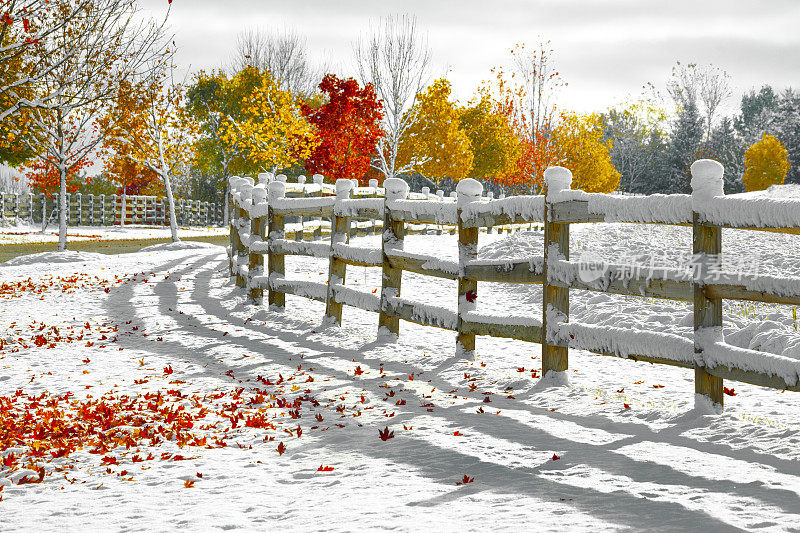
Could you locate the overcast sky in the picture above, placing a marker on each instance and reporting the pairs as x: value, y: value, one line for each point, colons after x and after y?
x: 606, y: 50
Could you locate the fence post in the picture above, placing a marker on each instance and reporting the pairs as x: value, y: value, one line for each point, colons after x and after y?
x: 259, y: 198
x: 245, y: 194
x: 301, y: 181
x: 44, y: 209
x: 30, y: 208
x: 337, y: 267
x: 233, y: 224
x: 276, y: 265
x: 469, y: 191
x: 373, y: 183
x: 706, y: 248
x: 555, y: 305
x: 318, y: 179
x: 394, y: 231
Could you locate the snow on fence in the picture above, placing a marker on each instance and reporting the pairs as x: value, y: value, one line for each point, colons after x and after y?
x: 107, y: 210
x: 258, y: 228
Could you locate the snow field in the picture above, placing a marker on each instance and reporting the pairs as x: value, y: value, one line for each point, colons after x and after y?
x: 654, y: 463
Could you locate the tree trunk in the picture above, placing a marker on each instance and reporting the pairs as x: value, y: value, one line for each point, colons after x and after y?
x: 173, y: 222
x: 62, y: 211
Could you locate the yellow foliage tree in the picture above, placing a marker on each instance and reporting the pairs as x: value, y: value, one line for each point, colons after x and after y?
x: 271, y: 129
x: 579, y: 146
x: 435, y: 145
x: 766, y: 163
x: 495, y: 147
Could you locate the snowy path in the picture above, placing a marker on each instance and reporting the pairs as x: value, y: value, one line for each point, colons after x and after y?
x: 654, y: 465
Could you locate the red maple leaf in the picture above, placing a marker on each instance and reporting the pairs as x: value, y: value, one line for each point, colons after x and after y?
x: 281, y: 448
x: 556, y: 457
x: 325, y: 468
x: 464, y: 480
x: 385, y: 434
x: 729, y: 392
x: 168, y: 369
x: 471, y: 296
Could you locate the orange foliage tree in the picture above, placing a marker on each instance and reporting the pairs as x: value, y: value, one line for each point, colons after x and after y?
x: 526, y: 98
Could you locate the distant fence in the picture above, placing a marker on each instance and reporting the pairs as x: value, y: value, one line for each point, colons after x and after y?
x: 258, y: 228
x: 106, y: 210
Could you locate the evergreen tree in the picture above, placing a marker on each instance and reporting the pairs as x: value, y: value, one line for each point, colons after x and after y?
x: 684, y: 145
x: 728, y: 148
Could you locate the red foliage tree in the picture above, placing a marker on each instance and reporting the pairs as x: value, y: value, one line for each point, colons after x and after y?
x: 349, y: 127
x: 44, y: 177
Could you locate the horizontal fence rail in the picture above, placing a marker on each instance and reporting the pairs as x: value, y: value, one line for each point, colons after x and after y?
x: 108, y: 210
x: 258, y: 228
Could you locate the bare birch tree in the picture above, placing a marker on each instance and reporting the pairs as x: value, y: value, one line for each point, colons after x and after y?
x: 94, y: 49
x: 283, y: 53
x: 396, y: 60
x: 706, y: 87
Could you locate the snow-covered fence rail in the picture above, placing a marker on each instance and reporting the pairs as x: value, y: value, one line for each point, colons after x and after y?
x: 108, y: 210
x: 259, y: 229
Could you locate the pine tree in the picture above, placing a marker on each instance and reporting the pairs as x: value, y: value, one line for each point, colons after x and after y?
x: 684, y: 145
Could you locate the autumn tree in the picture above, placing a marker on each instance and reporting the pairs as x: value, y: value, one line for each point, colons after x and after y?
x: 766, y: 164
x: 495, y: 147
x: 580, y: 147
x: 434, y: 144
x: 217, y: 101
x: 348, y: 128
x: 271, y: 129
x: 149, y: 119
x: 526, y: 97
x: 395, y: 59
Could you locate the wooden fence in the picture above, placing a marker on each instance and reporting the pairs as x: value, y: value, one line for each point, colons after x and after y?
x: 106, y: 210
x: 258, y: 228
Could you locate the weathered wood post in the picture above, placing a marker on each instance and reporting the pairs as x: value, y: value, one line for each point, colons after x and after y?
x: 489, y: 196
x: 318, y: 179
x: 426, y: 192
x: 242, y: 253
x: 337, y: 268
x: 373, y: 184
x: 555, y: 305
x: 707, y: 182
x: 301, y: 182
x: 276, y: 264
x: 259, y: 202
x: 454, y: 229
x: 440, y: 196
x: 233, y: 224
x: 30, y: 208
x: 394, y: 232
x: 469, y: 191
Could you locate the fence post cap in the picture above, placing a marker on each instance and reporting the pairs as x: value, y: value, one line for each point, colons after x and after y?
x: 707, y: 181
x: 468, y: 190
x: 264, y: 177
x: 557, y: 179
x: 426, y: 191
x: 343, y: 188
x: 281, y: 178
x: 275, y: 190
x: 249, y: 180
x: 318, y: 179
x: 396, y: 188
x: 259, y: 195
x: 301, y: 179
x: 373, y: 183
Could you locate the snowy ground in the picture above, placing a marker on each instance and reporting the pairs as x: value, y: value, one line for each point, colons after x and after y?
x: 184, y: 393
x: 26, y: 233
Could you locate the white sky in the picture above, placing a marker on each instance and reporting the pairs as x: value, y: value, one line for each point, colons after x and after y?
x: 605, y: 49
